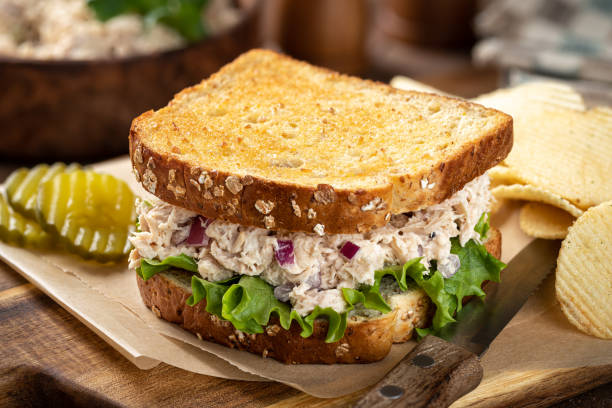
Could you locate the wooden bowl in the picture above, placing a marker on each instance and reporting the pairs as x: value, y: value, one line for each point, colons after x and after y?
x: 69, y: 110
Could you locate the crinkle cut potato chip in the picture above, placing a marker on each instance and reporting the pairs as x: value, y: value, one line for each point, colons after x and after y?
x: 544, y: 221
x: 533, y: 193
x: 502, y: 175
x: 558, y: 146
x: 409, y: 84
x: 553, y: 95
x: 584, y: 272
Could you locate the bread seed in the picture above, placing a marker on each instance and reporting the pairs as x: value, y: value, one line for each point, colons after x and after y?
x: 150, y: 163
x: 199, y: 336
x: 296, y: 208
x: 264, y: 354
x: 138, y: 155
x: 319, y: 229
x: 272, y: 330
x: 208, y: 183
x: 342, y: 349
x: 171, y: 175
x: 202, y: 177
x: 375, y: 204
x: 218, y: 191
x: 269, y: 221
x: 240, y: 335
x: 149, y: 181
x: 156, y: 311
x: 352, y: 198
x: 264, y: 207
x: 311, y: 214
x: 233, y: 184
x: 178, y: 191
x: 195, y: 184
x: 207, y: 195
x: 231, y: 209
x: 325, y: 194
x: 247, y: 180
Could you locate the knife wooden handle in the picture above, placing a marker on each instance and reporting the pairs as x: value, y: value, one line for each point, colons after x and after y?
x: 435, y: 374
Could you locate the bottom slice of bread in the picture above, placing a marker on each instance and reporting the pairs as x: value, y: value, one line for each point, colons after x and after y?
x: 368, y: 337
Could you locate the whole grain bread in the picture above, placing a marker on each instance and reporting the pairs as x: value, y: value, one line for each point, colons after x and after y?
x: 368, y: 337
x: 273, y: 142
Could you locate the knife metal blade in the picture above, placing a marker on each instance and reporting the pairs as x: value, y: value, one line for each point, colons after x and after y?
x: 438, y: 372
x: 479, y: 322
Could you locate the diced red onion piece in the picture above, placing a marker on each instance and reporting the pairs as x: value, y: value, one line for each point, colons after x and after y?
x: 349, y: 249
x: 197, y: 232
x: 284, y: 252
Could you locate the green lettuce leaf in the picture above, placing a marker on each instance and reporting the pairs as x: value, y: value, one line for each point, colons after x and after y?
x: 336, y: 327
x: 433, y: 285
x: 150, y: 267
x: 477, y: 266
x: 212, y: 291
x: 370, y: 295
x: 250, y: 302
x: 184, y: 16
x: 482, y: 226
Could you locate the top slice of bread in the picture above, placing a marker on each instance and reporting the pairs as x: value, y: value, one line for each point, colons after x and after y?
x: 273, y: 142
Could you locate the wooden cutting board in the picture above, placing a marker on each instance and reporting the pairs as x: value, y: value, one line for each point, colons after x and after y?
x: 48, y: 357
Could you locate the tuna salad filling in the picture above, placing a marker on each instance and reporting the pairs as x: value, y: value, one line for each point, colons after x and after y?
x: 308, y: 270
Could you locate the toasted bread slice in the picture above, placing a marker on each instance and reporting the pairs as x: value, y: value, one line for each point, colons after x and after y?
x: 273, y: 142
x: 368, y: 337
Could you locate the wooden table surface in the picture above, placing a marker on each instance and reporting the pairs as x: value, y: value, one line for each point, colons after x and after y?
x: 49, y: 358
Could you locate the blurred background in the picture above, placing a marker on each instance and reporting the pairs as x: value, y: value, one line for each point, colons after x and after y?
x: 73, y: 73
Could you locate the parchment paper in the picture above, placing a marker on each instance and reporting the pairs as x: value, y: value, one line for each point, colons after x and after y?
x: 107, y: 299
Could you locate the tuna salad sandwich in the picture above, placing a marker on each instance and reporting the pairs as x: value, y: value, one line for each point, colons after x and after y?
x: 313, y: 217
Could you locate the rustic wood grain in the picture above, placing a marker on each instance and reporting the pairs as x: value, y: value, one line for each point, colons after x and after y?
x: 9, y: 278
x: 540, y: 388
x: 48, y: 355
x: 446, y: 373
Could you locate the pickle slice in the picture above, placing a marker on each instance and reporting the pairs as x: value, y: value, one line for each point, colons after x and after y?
x: 22, y: 185
x: 92, y: 213
x: 17, y: 229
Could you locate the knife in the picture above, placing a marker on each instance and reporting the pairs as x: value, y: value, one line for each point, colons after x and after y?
x: 439, y: 370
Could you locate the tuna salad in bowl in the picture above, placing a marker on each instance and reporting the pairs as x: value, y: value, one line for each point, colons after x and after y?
x: 76, y: 71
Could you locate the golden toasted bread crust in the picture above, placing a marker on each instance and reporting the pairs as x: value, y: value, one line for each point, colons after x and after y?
x: 296, y: 203
x: 365, y: 340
